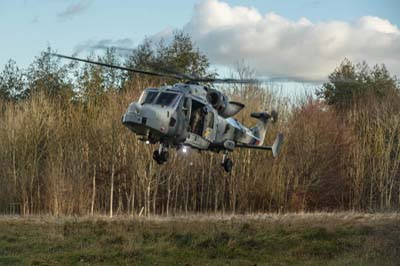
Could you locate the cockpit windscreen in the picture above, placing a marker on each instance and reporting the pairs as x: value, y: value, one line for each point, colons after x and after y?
x: 148, y: 97
x: 166, y: 98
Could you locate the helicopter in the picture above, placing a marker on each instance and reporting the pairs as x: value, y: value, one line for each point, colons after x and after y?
x: 190, y: 114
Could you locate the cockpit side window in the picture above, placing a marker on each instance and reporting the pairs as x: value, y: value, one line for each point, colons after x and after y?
x: 148, y: 97
x: 166, y: 98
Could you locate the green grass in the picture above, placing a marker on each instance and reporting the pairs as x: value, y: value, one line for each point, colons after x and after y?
x: 193, y: 241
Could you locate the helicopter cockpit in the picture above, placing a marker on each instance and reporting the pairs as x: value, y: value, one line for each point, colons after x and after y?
x: 178, y: 115
x: 159, y: 98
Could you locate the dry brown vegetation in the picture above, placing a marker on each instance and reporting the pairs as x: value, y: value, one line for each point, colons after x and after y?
x: 65, y: 152
x: 59, y: 157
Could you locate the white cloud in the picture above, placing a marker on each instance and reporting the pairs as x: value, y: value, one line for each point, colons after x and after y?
x: 377, y: 24
x: 75, y: 9
x: 280, y: 47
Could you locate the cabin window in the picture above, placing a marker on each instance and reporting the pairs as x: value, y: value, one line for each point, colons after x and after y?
x: 148, y: 97
x: 166, y: 98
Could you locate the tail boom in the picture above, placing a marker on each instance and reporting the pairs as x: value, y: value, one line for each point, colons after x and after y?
x: 254, y: 137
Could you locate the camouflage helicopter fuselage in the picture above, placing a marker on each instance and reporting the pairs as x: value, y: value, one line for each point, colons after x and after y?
x: 167, y: 115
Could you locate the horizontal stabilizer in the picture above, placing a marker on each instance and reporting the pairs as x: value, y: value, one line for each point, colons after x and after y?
x: 260, y: 115
x: 275, y: 148
x: 256, y: 147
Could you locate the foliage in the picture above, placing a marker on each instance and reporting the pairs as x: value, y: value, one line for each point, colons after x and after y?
x: 179, y: 56
x: 350, y: 83
x: 45, y: 75
x: 12, y: 82
x: 317, y: 147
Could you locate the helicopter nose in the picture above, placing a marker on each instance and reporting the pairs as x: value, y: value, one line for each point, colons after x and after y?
x: 135, y: 108
x: 133, y: 114
x: 140, y: 118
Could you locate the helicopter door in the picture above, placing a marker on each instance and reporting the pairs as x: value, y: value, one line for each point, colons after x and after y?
x: 197, y: 126
x: 197, y: 118
x: 184, y: 114
x: 209, y: 132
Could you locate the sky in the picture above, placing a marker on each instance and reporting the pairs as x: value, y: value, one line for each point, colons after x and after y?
x: 302, y: 40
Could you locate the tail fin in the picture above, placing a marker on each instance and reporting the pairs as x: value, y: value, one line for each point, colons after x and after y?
x: 276, y: 147
x: 262, y: 126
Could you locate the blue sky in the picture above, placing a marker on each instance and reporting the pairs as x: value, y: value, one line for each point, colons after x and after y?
x: 29, y: 26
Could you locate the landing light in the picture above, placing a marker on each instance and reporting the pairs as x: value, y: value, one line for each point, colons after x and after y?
x: 184, y: 149
x: 147, y: 142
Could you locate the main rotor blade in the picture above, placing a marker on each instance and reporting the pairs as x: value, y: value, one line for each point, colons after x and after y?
x: 228, y: 80
x: 135, y: 70
x: 178, y: 76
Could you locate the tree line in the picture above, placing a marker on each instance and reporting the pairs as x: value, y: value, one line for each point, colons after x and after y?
x: 63, y: 150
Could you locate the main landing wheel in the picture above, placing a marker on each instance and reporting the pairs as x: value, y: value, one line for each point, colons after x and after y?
x: 162, y: 157
x: 227, y: 163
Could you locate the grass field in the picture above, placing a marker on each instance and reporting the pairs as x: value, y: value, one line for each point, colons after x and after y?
x: 294, y: 239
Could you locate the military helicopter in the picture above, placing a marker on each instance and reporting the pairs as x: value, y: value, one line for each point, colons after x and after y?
x: 189, y: 114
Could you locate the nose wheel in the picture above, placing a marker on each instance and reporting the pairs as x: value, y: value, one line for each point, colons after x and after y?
x: 161, y: 155
x: 227, y: 163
